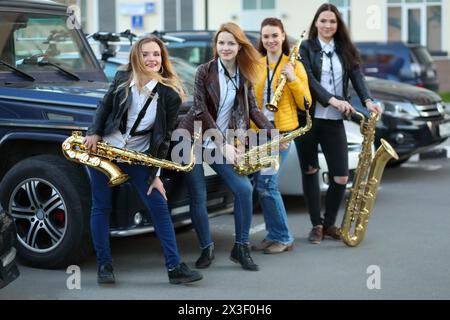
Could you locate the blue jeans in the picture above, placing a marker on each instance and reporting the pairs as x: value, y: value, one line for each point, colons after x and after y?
x: 243, y: 206
x: 272, y: 205
x: 156, y: 207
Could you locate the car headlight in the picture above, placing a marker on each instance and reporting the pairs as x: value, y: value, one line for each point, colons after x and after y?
x: 440, y: 107
x: 400, y: 109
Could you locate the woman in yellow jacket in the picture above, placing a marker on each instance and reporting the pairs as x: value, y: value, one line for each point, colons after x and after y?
x: 274, y: 47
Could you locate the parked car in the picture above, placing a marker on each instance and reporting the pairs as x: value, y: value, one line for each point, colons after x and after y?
x: 407, y: 63
x: 8, y: 267
x: 50, y: 84
x: 414, y: 119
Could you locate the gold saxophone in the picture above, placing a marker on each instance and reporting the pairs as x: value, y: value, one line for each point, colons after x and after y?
x: 260, y: 157
x: 293, y: 55
x: 73, y: 149
x: 365, y: 183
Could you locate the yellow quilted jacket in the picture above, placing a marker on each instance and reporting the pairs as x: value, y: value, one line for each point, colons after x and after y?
x: 292, y: 97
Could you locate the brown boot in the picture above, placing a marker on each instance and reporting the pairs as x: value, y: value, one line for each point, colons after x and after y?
x: 332, y: 232
x: 263, y: 245
x: 278, y: 248
x: 316, y: 234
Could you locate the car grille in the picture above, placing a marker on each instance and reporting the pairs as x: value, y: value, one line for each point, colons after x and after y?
x: 430, y: 111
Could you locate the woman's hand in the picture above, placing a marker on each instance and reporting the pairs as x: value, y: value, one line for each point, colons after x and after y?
x: 158, y: 185
x: 373, y: 107
x: 288, y: 71
x: 343, y: 106
x: 90, y: 142
x: 284, y: 146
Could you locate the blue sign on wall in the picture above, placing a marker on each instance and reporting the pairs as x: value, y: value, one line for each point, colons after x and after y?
x: 149, y: 7
x: 137, y: 22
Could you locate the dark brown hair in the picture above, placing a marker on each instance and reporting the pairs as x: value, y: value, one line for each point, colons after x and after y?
x: 274, y: 22
x: 350, y: 54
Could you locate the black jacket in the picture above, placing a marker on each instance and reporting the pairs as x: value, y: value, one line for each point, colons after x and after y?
x: 110, y: 112
x: 311, y: 56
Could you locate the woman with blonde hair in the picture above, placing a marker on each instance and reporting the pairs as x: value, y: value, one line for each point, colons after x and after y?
x: 224, y: 99
x: 138, y: 112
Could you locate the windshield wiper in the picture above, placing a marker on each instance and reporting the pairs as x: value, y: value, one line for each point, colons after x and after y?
x: 34, y: 60
x: 17, y: 71
x: 64, y: 70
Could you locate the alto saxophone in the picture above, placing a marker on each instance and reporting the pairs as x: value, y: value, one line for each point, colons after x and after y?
x: 365, y: 183
x: 73, y: 149
x: 260, y: 157
x: 293, y: 55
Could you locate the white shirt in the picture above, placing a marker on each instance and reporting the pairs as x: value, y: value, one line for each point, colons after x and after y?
x: 326, y: 81
x: 227, y: 95
x: 137, y: 143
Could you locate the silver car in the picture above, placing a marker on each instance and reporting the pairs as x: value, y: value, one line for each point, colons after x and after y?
x: 290, y: 180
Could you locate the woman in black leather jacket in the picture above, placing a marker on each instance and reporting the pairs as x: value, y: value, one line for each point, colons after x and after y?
x: 331, y: 60
x: 138, y: 112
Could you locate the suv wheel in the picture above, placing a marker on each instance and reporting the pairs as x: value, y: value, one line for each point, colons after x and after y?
x: 49, y: 200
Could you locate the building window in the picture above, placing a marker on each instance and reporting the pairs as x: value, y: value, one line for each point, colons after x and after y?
x: 394, y: 24
x: 178, y: 14
x: 344, y: 8
x: 416, y: 21
x: 258, y: 4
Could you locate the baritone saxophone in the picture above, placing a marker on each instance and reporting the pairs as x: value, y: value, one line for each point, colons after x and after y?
x: 367, y: 179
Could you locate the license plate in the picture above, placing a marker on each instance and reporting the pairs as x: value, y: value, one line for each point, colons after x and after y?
x: 444, y: 130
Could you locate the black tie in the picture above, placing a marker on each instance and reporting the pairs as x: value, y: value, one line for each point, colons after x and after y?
x: 330, y: 56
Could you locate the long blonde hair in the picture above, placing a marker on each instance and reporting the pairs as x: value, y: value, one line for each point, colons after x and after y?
x: 247, y: 57
x: 141, y: 76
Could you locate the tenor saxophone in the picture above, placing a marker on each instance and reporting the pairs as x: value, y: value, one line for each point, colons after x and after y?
x: 293, y: 55
x: 73, y: 149
x: 365, y: 183
x: 260, y: 157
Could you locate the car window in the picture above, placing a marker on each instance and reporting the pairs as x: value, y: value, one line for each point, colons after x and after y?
x: 194, y: 52
x: 37, y: 36
x: 186, y: 72
x: 422, y: 55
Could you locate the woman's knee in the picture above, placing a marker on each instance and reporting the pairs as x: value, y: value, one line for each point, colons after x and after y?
x: 341, y: 180
x: 311, y: 171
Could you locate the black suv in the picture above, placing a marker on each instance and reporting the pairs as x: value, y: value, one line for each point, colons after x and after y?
x: 50, y: 84
x: 407, y: 63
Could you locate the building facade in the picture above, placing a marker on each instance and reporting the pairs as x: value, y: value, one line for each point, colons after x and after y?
x: 416, y: 21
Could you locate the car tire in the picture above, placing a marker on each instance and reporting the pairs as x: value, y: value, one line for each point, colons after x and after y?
x: 49, y: 198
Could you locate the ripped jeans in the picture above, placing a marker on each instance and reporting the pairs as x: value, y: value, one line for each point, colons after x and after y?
x: 272, y: 204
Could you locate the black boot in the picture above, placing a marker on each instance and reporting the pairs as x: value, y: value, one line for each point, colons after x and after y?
x: 241, y: 254
x: 105, y: 274
x: 183, y: 274
x: 206, y: 258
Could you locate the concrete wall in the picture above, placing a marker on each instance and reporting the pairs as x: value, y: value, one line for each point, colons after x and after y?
x: 368, y: 20
x: 151, y: 21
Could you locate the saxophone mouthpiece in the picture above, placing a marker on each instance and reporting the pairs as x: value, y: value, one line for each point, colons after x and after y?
x: 306, y: 103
